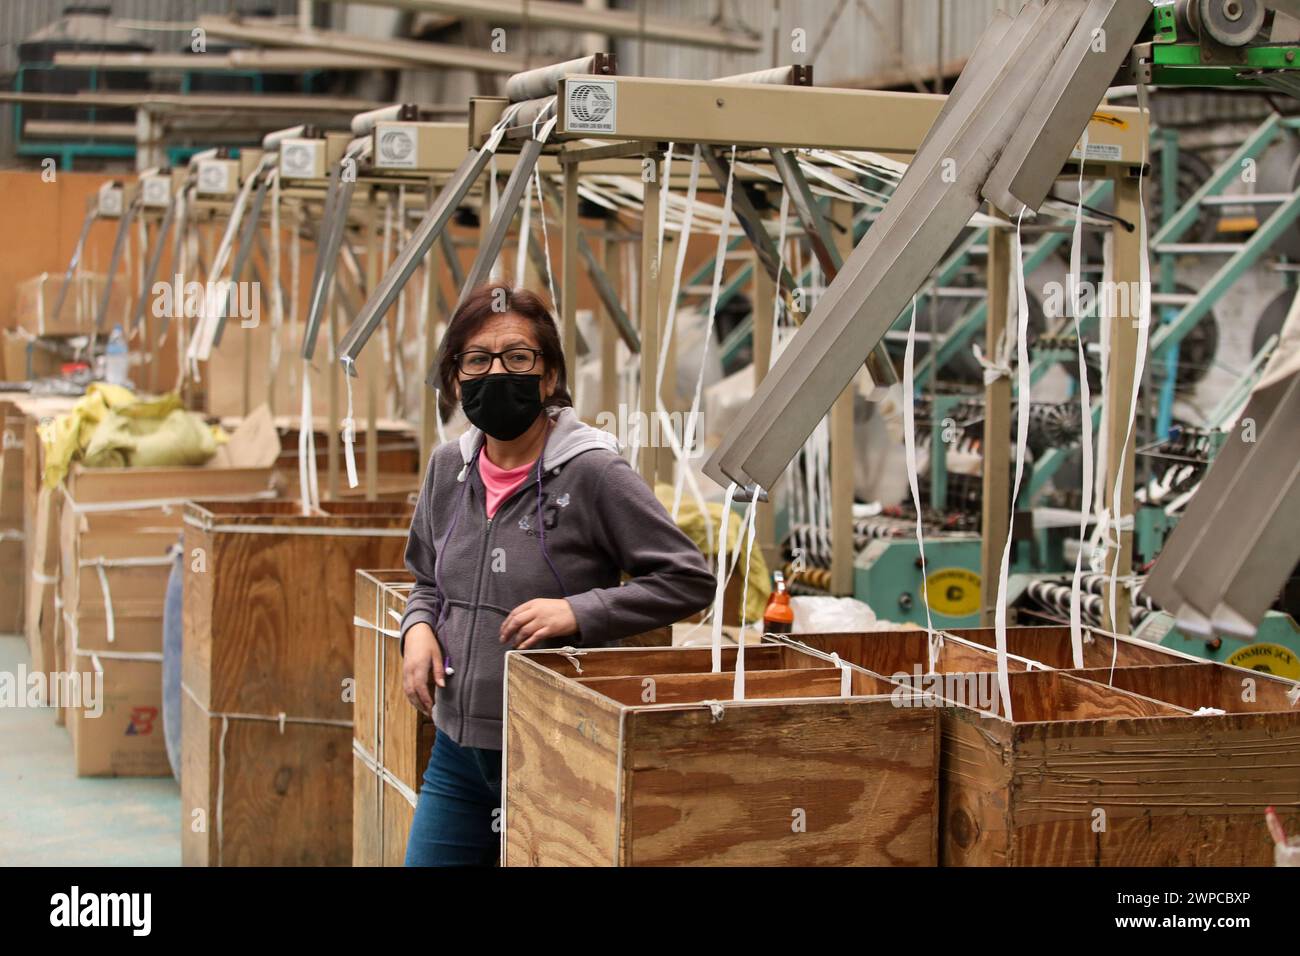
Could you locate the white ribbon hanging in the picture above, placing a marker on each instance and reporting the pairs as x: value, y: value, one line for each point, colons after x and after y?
x: 719, y: 262
x: 721, y: 584
x: 1085, y: 410
x: 308, y: 488
x: 1022, y: 433
x: 738, y: 687
x: 1120, y: 520
x: 909, y: 436
x: 349, y: 425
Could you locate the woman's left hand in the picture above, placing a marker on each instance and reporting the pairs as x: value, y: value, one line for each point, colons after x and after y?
x: 538, y: 620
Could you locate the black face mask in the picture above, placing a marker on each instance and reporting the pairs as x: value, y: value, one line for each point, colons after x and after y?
x: 503, y: 404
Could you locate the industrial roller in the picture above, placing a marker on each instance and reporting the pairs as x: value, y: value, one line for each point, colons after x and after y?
x: 541, y: 82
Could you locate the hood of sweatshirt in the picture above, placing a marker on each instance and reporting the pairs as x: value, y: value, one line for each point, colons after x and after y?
x: 570, y: 437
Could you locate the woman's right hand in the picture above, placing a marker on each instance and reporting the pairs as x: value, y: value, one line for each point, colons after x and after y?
x: 422, y: 657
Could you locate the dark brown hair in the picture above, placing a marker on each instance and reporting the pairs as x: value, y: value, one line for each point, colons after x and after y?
x: 483, y: 304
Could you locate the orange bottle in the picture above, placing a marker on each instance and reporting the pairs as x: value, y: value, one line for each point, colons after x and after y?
x: 778, y: 616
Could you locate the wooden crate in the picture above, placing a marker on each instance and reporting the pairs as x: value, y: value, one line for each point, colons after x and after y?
x: 391, y: 739
x: 268, y: 634
x: 1050, y: 646
x: 1122, y: 775
x: 795, y: 774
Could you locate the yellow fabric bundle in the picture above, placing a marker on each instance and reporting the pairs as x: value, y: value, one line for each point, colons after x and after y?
x: 692, y: 525
x: 110, y: 427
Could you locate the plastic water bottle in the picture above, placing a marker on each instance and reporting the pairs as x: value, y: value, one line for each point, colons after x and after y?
x: 116, y: 358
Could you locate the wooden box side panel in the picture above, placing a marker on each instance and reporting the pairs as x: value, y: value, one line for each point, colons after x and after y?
x: 196, y: 613
x: 367, y: 841
x: 562, y: 764
x: 367, y: 608
x: 974, y: 789
x: 827, y: 782
x: 283, y: 640
x: 398, y: 813
x: 286, y: 797
x: 1161, y: 792
x: 199, y: 738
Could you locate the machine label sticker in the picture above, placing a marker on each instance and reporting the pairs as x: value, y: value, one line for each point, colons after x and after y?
x: 954, y: 592
x: 591, y: 106
x: 1104, y: 152
x: 1270, y: 658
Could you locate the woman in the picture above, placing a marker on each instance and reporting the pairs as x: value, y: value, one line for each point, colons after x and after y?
x: 518, y: 541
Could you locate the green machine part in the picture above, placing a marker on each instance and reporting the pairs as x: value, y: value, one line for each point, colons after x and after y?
x: 887, y: 576
x: 1180, y: 58
x: 1275, y: 649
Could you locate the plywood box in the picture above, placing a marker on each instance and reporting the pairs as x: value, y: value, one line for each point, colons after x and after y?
x: 12, y: 534
x: 268, y: 608
x: 391, y: 739
x: 639, y: 757
x: 1105, y: 766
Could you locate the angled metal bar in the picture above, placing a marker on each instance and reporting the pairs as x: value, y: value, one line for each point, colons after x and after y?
x: 608, y: 296
x: 92, y: 213
x: 151, y: 266
x: 892, y: 261
x: 247, y: 232
x: 453, y: 258
x: 1062, y: 107
x: 119, y: 245
x: 327, y: 260
x: 725, y: 464
x: 410, y: 255
x: 494, y: 237
x: 818, y: 231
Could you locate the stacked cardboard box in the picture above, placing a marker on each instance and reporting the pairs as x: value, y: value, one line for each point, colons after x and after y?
x: 116, y: 530
x: 38, y: 311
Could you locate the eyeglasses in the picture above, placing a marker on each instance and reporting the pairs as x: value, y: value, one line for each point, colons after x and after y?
x: 479, y: 361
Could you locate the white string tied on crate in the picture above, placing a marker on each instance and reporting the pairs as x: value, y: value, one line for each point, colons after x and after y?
x: 1022, y: 432
x: 846, y: 675
x: 934, y: 641
x: 716, y: 710
x: 571, y: 654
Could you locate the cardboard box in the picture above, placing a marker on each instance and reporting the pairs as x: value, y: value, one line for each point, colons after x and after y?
x: 12, y: 534
x: 37, y: 310
x: 115, y: 530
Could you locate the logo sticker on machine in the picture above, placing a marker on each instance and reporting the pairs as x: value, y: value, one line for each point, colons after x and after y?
x: 590, y: 106
x: 954, y: 592
x: 1270, y: 658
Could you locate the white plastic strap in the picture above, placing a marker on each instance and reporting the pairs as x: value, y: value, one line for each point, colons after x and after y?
x: 909, y: 444
x: 721, y: 584
x: 571, y: 654
x: 719, y: 262
x: 738, y: 691
x: 147, y: 504
x: 306, y: 454
x: 349, y: 426
x: 1022, y: 433
x: 358, y: 621
x: 277, y: 293
x: 846, y: 675
x: 1085, y: 415
x: 1139, y: 367
x: 280, y: 719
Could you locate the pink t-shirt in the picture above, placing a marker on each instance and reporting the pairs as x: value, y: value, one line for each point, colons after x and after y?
x: 501, y: 482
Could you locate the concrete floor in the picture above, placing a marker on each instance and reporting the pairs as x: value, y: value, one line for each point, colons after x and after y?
x: 51, y: 817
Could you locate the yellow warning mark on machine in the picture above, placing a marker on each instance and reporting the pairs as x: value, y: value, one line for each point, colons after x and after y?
x: 954, y: 592
x: 1110, y: 120
x: 1270, y: 658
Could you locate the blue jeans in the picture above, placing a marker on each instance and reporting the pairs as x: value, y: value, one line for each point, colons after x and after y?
x: 457, y: 817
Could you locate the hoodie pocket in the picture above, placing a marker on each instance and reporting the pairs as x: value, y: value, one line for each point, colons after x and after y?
x: 486, y: 678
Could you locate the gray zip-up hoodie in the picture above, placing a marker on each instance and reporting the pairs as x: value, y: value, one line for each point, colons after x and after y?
x: 582, y: 518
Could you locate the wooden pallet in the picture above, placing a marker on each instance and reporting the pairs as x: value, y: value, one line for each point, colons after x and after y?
x: 268, y: 631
